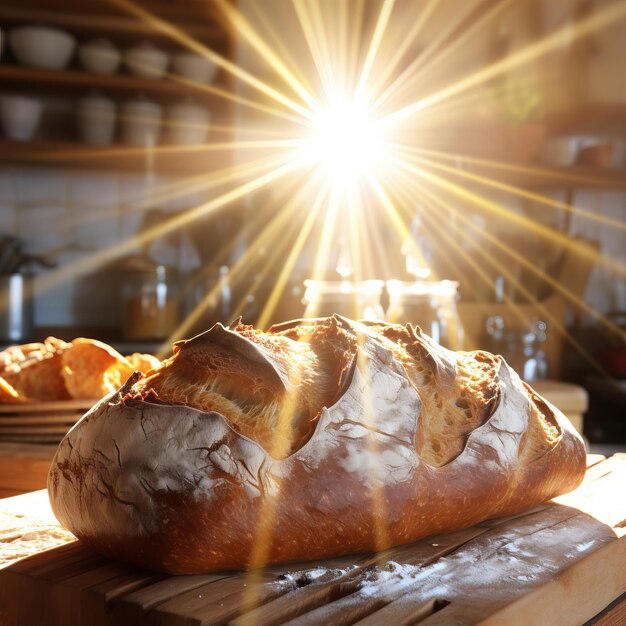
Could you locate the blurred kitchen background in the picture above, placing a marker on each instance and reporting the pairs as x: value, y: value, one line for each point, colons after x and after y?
x: 107, y: 124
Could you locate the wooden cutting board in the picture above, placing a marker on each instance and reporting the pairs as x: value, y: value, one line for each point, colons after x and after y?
x: 560, y: 564
x: 40, y: 422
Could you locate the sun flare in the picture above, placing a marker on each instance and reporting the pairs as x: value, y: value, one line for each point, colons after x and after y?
x: 346, y: 142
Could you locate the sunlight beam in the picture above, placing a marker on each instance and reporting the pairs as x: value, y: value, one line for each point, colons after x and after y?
x: 178, y: 35
x: 518, y: 191
x: 407, y: 41
x: 530, y: 53
x: 292, y: 258
x: 577, y: 301
x: 107, y: 255
x: 272, y: 231
x: 446, y: 40
x: 372, y: 50
x: 245, y: 29
x: 496, y: 209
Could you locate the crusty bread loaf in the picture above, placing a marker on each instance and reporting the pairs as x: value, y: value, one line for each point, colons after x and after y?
x: 317, y: 438
x: 85, y: 369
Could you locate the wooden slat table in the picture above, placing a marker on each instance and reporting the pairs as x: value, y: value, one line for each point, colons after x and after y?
x: 562, y: 563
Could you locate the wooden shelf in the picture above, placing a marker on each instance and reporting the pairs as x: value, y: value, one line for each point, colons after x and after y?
x: 190, y: 160
x: 196, y: 19
x: 602, y: 118
x: 545, y: 177
x: 529, y: 176
x: 81, y: 81
x: 100, y: 18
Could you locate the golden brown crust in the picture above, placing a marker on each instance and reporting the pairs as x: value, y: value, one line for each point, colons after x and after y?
x: 85, y: 369
x: 38, y: 376
x: 8, y: 395
x: 178, y: 489
x: 143, y: 363
x: 91, y: 369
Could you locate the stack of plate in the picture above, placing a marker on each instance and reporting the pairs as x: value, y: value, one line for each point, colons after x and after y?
x: 44, y: 422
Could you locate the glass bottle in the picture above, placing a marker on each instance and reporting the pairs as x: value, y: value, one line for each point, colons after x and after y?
x: 150, y: 303
x: 431, y: 305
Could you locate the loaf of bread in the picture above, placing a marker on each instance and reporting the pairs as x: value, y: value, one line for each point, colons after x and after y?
x: 84, y: 369
x: 314, y: 439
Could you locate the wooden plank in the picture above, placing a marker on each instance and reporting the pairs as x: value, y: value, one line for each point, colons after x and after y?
x: 39, y: 419
x: 9, y: 493
x: 46, y: 408
x: 94, y: 600
x: 131, y: 608
x: 35, y: 429
x: 37, y: 439
x: 23, y: 466
x: 171, y: 85
x: 219, y: 601
x: 567, y: 595
x: 84, y: 23
x: 188, y: 161
x: 612, y: 615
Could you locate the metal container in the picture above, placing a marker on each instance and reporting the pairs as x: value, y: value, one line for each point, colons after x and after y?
x: 16, y: 308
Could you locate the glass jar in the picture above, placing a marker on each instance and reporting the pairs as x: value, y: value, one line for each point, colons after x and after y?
x: 150, y: 303
x: 357, y: 300
x: 431, y: 305
x: 207, y: 299
x: 522, y: 348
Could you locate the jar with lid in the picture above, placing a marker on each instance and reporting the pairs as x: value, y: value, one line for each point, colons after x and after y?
x: 358, y: 300
x: 431, y: 305
x: 522, y: 347
x: 150, y: 303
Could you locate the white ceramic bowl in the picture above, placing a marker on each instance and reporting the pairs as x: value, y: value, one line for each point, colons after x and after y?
x: 95, y: 118
x: 187, y: 123
x: 99, y: 56
x: 141, y: 122
x: 194, y: 67
x: 147, y: 61
x: 42, y: 46
x: 20, y: 116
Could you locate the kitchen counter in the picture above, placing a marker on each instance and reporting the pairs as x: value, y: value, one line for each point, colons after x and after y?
x: 561, y: 563
x: 24, y: 467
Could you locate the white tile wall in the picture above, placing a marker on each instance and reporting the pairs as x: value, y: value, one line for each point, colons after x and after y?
x: 95, y: 229
x: 44, y: 228
x: 72, y: 215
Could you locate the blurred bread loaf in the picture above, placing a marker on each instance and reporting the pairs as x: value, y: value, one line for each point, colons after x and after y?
x: 83, y: 369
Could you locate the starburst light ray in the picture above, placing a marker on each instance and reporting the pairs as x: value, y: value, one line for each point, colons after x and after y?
x: 525, y: 222
x: 555, y: 323
x: 102, y: 257
x: 560, y: 288
x: 512, y: 189
x: 291, y: 260
x: 268, y: 236
x: 444, y: 45
x: 372, y: 50
x: 563, y: 36
x: 245, y: 29
x: 178, y: 35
